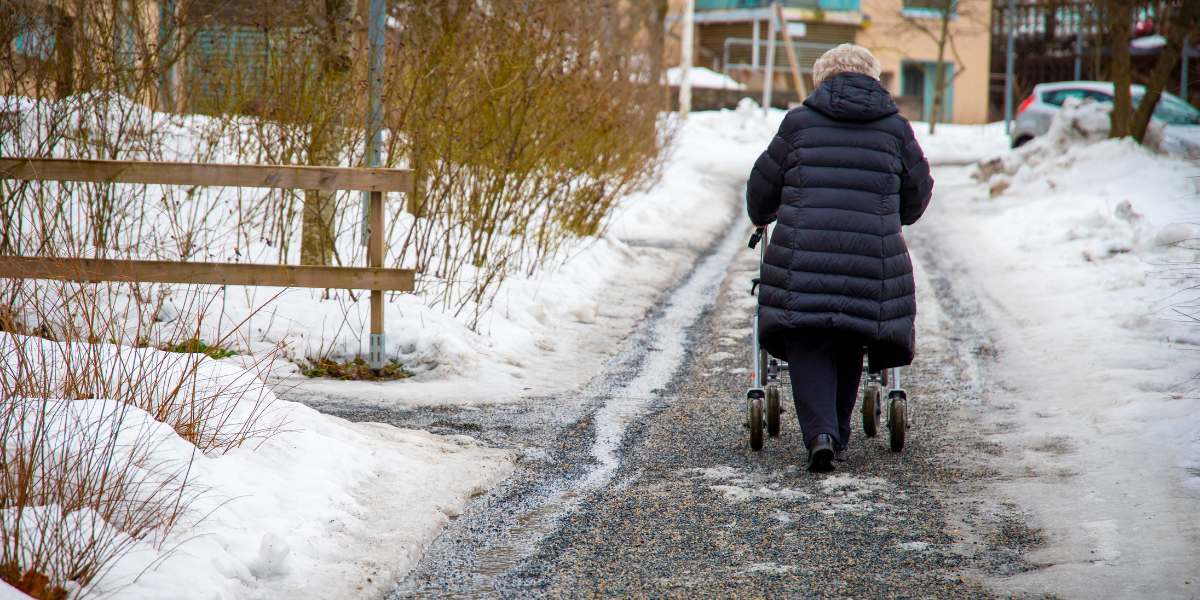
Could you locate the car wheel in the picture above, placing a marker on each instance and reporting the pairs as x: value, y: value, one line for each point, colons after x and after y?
x: 1021, y: 141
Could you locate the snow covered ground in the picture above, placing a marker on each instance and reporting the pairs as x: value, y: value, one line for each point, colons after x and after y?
x: 533, y: 342
x: 1069, y: 243
x: 704, y: 78
x: 328, y: 508
x: 1073, y: 246
x: 325, y: 508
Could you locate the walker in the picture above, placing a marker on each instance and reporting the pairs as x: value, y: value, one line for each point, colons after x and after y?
x: 763, y: 406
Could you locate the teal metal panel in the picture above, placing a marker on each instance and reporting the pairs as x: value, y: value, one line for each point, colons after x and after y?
x: 703, y: 5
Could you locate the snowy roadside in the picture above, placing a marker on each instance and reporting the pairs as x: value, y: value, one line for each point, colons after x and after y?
x: 1069, y: 246
x: 271, y: 497
x: 552, y: 332
x: 329, y: 508
x: 534, y: 343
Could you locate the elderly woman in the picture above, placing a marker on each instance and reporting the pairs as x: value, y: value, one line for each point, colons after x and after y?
x: 840, y: 178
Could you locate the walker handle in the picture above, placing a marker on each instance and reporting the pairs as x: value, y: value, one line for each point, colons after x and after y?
x: 756, y: 236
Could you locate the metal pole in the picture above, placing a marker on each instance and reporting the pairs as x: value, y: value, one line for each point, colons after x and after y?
x: 757, y: 42
x: 1008, y: 68
x: 769, y: 79
x: 685, y: 74
x: 1079, y: 54
x: 1183, y: 71
x: 373, y: 201
x: 375, y: 49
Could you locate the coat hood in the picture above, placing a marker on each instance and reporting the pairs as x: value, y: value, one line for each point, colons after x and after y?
x: 852, y: 97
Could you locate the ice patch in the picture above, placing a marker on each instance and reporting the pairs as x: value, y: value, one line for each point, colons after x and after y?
x: 1102, y: 536
x: 768, y: 567
x: 913, y: 546
x: 735, y: 493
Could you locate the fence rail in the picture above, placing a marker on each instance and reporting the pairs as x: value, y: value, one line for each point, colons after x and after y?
x: 207, y: 174
x: 373, y: 277
x: 94, y: 270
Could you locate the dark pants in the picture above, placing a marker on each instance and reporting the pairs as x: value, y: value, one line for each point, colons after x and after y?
x: 826, y: 366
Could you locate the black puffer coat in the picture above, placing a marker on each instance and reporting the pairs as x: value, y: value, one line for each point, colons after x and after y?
x: 841, y: 177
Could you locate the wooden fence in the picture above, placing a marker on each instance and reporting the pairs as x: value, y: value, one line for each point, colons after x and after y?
x: 373, y: 277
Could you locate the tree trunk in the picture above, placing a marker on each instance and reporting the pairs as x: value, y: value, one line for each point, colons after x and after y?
x: 332, y: 19
x: 1158, y: 80
x: 1179, y: 26
x: 64, y: 49
x: 1118, y: 17
x: 939, y: 78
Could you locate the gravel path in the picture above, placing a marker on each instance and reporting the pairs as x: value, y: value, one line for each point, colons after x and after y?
x: 692, y: 512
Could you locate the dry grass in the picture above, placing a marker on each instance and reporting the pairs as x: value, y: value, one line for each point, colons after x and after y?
x: 354, y: 370
x: 82, y: 416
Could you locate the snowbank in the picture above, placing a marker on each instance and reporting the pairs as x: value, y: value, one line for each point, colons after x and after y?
x: 960, y: 144
x: 323, y: 509
x: 552, y: 331
x: 703, y: 78
x: 1074, y: 239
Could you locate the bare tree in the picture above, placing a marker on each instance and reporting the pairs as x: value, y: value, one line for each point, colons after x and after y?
x: 940, y: 21
x: 1118, y: 17
x: 331, y: 21
x: 1177, y: 20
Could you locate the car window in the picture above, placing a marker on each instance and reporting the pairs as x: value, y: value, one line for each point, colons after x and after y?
x: 1174, y: 111
x: 1057, y: 97
x: 1098, y: 96
x: 1171, y: 110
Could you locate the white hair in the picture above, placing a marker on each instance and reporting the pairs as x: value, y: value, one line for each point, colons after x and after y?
x: 846, y: 58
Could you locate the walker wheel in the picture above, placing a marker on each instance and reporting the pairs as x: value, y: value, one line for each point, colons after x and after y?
x: 773, y: 410
x: 898, y: 423
x: 756, y: 423
x: 871, y: 409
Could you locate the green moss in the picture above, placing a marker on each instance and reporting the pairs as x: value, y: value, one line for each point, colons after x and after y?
x: 197, y: 346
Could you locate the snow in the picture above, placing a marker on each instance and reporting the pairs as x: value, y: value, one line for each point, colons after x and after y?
x: 704, y: 78
x: 325, y: 508
x: 1074, y: 263
x: 547, y: 331
x: 550, y: 332
x: 960, y: 144
x: 328, y: 508
x: 1068, y: 241
x: 8, y: 592
x: 1149, y: 42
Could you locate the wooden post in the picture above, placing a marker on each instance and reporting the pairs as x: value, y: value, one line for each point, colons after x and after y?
x: 791, y: 52
x: 375, y: 259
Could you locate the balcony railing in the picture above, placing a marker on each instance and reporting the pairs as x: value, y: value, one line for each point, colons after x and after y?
x: 744, y: 4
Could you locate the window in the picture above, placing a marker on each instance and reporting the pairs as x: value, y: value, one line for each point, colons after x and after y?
x: 1172, y: 110
x: 1057, y: 97
x: 932, y: 8
x: 34, y: 38
x: 917, y: 89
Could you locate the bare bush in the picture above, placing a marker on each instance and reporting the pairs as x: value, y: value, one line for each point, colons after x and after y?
x: 96, y: 346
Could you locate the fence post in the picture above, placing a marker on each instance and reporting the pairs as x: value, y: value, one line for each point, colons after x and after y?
x: 375, y: 257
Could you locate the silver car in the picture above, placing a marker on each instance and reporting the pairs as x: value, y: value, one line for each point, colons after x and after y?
x: 1181, y: 136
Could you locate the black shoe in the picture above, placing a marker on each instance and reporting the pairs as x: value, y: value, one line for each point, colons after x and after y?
x: 839, y: 453
x: 820, y: 453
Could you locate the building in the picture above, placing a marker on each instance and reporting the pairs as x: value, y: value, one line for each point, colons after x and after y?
x: 903, y: 34
x: 731, y: 37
